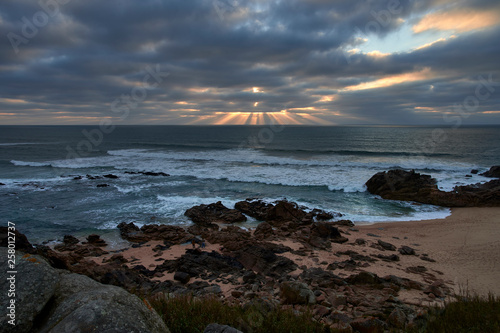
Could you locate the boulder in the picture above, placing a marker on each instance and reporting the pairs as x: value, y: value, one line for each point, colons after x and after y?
x: 148, y: 232
x: 48, y: 299
x: 182, y: 277
x: 493, y: 172
x: 411, y: 186
x: 214, y: 213
x: 21, y: 241
x: 296, y: 293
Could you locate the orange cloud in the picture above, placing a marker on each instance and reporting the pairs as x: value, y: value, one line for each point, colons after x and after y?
x: 424, y: 74
x: 459, y: 20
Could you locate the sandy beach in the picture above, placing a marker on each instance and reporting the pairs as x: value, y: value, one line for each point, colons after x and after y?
x: 465, y: 245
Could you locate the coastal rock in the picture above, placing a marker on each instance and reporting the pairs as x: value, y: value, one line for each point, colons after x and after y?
x: 213, y: 213
x: 21, y: 241
x: 493, y: 172
x: 264, y: 261
x: 263, y: 231
x: 166, y: 233
x: 95, y: 240
x: 102, y: 185
x: 111, y: 176
x: 182, y: 277
x: 54, y: 300
x: 411, y: 186
x: 296, y: 293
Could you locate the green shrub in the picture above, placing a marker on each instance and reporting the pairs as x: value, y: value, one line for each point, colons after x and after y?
x: 190, y: 314
x: 467, y: 314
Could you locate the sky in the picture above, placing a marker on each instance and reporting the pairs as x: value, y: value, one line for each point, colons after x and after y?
x: 236, y: 62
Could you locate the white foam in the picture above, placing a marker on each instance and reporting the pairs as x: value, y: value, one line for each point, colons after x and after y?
x: 32, y: 164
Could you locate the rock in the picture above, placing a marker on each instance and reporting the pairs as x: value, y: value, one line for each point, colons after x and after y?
x: 493, y: 172
x: 155, y: 174
x: 474, y: 171
x: 364, y: 278
x: 411, y: 186
x: 360, y: 241
x: 397, y: 318
x: 70, y: 240
x: 263, y: 260
x: 148, y: 232
x: 254, y: 208
x: 54, y: 300
x: 386, y: 246
x: 2, y: 184
x: 368, y: 325
x: 391, y: 257
x: 182, y: 277
x: 263, y: 231
x: 216, y: 328
x: 213, y: 213
x: 296, y: 293
x: 322, y: 234
x: 21, y: 242
x: 213, y: 289
x: 102, y: 185
x: 95, y: 240
x: 406, y: 250
x: 110, y: 176
x: 426, y: 258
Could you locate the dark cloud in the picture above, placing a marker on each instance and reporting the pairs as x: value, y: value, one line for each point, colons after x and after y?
x: 76, y: 59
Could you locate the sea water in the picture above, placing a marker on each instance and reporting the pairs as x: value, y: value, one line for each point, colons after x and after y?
x: 317, y: 167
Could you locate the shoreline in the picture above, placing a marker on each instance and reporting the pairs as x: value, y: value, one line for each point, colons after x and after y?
x: 466, y: 245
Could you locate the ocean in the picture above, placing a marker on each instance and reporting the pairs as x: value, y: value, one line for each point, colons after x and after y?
x: 317, y: 167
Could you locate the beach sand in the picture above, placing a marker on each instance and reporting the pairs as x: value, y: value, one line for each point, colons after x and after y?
x: 465, y: 245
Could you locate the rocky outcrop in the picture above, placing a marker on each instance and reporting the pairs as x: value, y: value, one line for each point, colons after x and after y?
x: 493, y: 172
x: 166, y: 233
x: 51, y: 300
x: 282, y: 211
x: 217, y: 328
x: 214, y: 213
x: 411, y: 186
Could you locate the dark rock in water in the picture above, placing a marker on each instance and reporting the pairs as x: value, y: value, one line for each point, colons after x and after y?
x: 111, y: 176
x: 386, y: 246
x: 493, y: 172
x: 155, y: 174
x: 216, y: 328
x: 215, y: 212
x: 77, y: 178
x: 254, y: 208
x: 296, y: 293
x: 411, y: 186
x: 102, y: 185
x: 406, y: 250
x: 2, y: 184
x: 182, y: 277
x: 51, y: 300
x: 474, y: 171
x: 401, y: 185
x: 468, y: 176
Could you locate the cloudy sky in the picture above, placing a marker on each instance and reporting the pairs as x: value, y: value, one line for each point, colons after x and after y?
x: 250, y: 62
